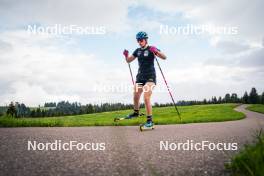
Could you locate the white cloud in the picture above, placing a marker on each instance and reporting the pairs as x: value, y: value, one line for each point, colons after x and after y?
x: 230, y: 47
x: 111, y: 14
x: 200, y: 81
x: 39, y: 69
x: 240, y: 58
x: 246, y: 16
x: 238, y: 13
x: 252, y: 58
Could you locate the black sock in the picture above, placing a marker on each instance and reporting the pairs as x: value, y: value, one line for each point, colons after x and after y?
x: 136, y: 111
x: 149, y: 118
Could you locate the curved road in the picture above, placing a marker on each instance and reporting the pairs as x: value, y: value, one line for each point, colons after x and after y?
x: 127, y: 151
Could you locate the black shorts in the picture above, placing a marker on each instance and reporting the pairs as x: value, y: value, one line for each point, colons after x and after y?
x: 143, y: 79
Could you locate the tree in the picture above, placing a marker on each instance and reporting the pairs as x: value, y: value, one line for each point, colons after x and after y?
x: 219, y: 100
x: 89, y: 109
x: 50, y: 104
x: 33, y: 113
x: 262, y: 98
x: 253, y: 96
x: 234, y: 98
x: 245, y: 98
x: 11, y: 110
x: 227, y: 98
x: 22, y: 110
x: 214, y: 100
x: 38, y: 112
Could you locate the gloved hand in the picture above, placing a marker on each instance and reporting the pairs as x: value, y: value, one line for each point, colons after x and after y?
x: 153, y: 49
x: 125, y: 53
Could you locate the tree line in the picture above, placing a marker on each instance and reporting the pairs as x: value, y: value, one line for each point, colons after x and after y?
x: 252, y: 98
x: 63, y: 108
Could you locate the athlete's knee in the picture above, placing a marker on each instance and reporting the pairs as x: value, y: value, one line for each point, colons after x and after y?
x: 138, y: 87
x: 148, y: 88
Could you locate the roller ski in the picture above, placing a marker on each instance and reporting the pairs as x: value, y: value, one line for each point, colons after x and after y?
x: 147, y: 126
x: 130, y: 116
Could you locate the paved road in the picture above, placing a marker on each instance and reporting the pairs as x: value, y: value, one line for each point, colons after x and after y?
x: 127, y: 151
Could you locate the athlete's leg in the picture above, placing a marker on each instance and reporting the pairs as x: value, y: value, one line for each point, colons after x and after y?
x: 138, y: 89
x: 148, y: 87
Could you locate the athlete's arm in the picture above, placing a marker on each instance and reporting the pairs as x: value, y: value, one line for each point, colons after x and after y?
x: 161, y: 55
x: 130, y: 58
x: 157, y: 52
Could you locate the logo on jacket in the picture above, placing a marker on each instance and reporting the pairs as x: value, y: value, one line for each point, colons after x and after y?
x: 146, y: 53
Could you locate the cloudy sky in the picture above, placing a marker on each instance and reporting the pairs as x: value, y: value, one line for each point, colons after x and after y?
x: 38, y: 68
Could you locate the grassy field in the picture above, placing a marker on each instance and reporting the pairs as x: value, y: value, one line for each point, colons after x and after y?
x: 256, y: 108
x: 162, y: 115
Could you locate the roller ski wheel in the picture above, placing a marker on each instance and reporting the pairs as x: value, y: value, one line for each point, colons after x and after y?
x: 146, y: 126
x: 119, y: 119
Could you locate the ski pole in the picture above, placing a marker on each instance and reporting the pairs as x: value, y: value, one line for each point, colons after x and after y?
x: 125, y: 53
x: 131, y: 74
x: 168, y: 88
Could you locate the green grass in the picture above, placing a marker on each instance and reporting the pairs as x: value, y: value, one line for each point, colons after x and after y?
x: 162, y: 115
x: 250, y: 161
x: 256, y: 108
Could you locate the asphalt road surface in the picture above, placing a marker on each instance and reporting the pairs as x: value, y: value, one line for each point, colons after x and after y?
x: 127, y: 150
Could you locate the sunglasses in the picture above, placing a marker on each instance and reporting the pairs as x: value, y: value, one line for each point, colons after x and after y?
x: 140, y: 40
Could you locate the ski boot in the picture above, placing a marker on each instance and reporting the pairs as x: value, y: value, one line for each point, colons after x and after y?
x: 147, y: 126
